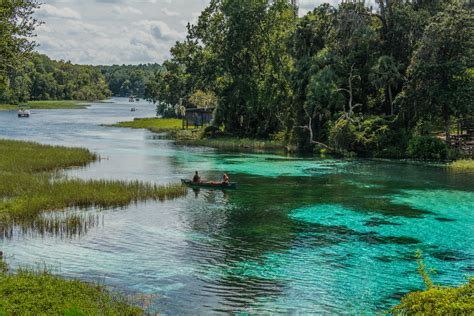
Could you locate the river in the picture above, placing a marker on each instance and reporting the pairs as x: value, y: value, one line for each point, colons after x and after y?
x: 299, y: 235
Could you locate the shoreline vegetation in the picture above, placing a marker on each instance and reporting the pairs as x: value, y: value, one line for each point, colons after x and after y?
x: 47, y: 105
x: 462, y: 165
x: 436, y: 299
x: 195, y: 136
x: 31, y: 184
x: 29, y: 292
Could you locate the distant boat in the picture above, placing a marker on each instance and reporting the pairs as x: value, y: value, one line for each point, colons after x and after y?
x: 133, y: 109
x: 23, y: 113
x: 137, y: 99
x: 131, y: 98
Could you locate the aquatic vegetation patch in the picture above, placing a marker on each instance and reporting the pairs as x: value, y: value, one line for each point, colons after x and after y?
x: 442, y: 202
x: 28, y: 187
x: 157, y: 125
x: 462, y: 165
x: 41, y: 293
x: 48, y: 105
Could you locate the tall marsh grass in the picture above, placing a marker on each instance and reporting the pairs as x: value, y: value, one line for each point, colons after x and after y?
x: 29, y: 186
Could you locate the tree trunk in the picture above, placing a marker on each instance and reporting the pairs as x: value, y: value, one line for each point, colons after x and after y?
x: 390, y: 99
x: 447, y: 125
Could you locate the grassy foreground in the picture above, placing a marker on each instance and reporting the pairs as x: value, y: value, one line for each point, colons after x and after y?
x: 48, y: 105
x: 462, y: 165
x: 41, y: 293
x: 29, y: 186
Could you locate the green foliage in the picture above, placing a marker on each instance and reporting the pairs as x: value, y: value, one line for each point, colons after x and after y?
x: 437, y: 300
x: 157, y: 125
x: 126, y: 80
x: 462, y: 165
x: 31, y: 293
x: 17, y: 27
x: 427, y: 147
x: 27, y: 186
x: 342, y: 135
x: 272, y: 71
x: 201, y: 99
x: 46, y: 79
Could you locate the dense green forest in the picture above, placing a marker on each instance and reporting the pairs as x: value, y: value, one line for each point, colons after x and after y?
x: 41, y: 78
x: 126, y: 80
x: 348, y: 78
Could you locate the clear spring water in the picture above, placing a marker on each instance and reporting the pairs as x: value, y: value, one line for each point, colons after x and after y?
x: 298, y: 236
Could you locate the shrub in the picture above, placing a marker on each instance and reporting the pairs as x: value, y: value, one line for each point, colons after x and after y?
x: 426, y: 147
x: 437, y: 300
x: 342, y: 135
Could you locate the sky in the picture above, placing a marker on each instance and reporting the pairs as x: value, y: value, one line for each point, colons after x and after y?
x: 105, y: 32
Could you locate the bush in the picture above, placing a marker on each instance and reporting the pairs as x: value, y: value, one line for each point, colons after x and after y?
x: 342, y: 136
x: 372, y: 136
x: 427, y: 147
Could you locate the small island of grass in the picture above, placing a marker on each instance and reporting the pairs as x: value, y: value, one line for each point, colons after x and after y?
x: 47, y: 105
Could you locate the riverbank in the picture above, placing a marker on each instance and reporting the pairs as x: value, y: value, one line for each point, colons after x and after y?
x: 48, y: 105
x: 31, y: 183
x: 41, y: 293
x: 195, y: 137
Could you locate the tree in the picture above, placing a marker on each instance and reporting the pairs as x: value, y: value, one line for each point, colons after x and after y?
x: 204, y: 100
x: 16, y: 29
x: 439, y: 71
x: 385, y: 75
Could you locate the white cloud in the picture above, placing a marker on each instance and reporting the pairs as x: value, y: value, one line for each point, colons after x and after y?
x: 50, y: 11
x: 119, y: 31
x: 169, y: 12
x: 126, y: 10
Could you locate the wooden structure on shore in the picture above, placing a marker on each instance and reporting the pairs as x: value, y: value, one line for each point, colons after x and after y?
x: 464, y: 139
x: 197, y: 117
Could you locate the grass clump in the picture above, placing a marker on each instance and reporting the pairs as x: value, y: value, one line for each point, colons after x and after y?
x: 462, y: 165
x: 437, y: 300
x: 41, y: 293
x: 28, y: 157
x: 28, y: 185
x: 157, y: 125
x: 47, y: 105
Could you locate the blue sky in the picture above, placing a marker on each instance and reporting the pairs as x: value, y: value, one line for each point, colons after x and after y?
x: 119, y: 31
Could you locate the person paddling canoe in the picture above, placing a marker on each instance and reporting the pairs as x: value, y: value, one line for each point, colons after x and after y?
x: 196, y: 178
x: 225, y: 179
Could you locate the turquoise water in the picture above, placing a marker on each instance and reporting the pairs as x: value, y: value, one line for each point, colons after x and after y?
x: 300, y: 235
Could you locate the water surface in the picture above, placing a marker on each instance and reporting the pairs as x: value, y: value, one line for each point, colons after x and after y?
x: 299, y: 235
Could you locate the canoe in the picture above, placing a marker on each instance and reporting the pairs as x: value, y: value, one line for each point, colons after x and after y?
x: 211, y: 185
